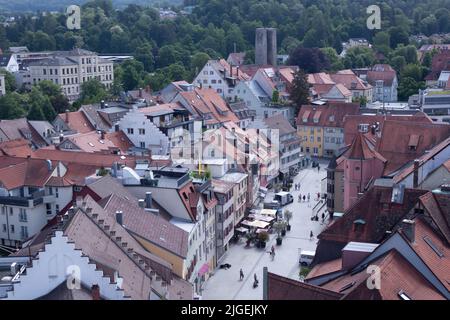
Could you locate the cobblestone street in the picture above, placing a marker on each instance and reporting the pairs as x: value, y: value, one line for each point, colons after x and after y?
x: 225, y: 284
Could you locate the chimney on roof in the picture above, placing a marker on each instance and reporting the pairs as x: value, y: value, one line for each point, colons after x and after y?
x: 49, y: 165
x: 409, y: 229
x: 102, y: 135
x: 102, y: 104
x: 114, y: 170
x: 95, y: 291
x: 354, y: 252
x: 119, y: 217
x: 416, y: 173
x: 67, y: 116
x: 148, y: 200
x: 141, y: 203
x: 61, y: 138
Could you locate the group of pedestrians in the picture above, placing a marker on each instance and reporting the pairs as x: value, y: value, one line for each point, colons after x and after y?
x: 305, y: 197
x: 256, y: 281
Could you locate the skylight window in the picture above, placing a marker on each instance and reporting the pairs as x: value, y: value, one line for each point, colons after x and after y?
x: 91, y: 144
x: 347, y: 286
x: 430, y: 242
x: 403, y: 295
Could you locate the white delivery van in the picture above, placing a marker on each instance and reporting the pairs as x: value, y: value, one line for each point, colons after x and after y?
x: 306, y: 257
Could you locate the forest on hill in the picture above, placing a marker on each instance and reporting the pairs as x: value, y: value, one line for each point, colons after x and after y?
x: 173, y: 49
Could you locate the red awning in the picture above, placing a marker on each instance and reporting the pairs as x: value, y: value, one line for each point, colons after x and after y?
x: 204, y: 269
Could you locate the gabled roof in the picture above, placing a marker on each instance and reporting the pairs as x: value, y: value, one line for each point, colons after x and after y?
x: 382, y: 72
x: 209, y: 105
x: 394, y: 144
x: 361, y: 150
x: 16, y: 148
x: 149, y: 226
x: 331, y: 115
x: 20, y: 128
x: 279, y: 122
x: 281, y: 288
x: 24, y: 172
x: 378, y: 212
x: 77, y: 121
x: 437, y: 205
x: 92, y: 142
x: 86, y: 158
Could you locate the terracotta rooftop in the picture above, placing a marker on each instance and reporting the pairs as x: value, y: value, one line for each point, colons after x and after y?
x: 437, y: 205
x: 92, y: 142
x: 149, y: 226
x: 77, y: 121
x: 378, y: 212
x: 24, y: 172
x: 281, y: 288
x: 330, y: 115
x: 20, y: 129
x: 395, y: 142
x: 209, y: 105
x: 16, y: 148
x: 87, y: 158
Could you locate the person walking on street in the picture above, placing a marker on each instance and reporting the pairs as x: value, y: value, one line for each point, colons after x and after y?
x: 323, y: 217
x: 311, y: 235
x: 309, y: 196
x: 272, y: 252
x: 318, y: 168
x: 241, y: 275
x: 299, y: 198
x: 304, y: 198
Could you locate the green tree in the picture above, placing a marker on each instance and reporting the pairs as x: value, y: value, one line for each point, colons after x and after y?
x: 131, y: 74
x: 10, y: 106
x: 334, y: 59
x: 10, y: 81
x: 92, y: 91
x: 300, y: 90
x: 40, y: 103
x: 275, y: 96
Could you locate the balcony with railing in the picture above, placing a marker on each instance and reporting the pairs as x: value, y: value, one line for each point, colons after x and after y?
x: 175, y: 122
x: 35, y: 199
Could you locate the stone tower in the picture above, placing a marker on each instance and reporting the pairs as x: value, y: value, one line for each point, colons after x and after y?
x: 266, y: 46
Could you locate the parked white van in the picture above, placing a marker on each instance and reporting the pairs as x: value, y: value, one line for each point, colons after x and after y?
x: 306, y: 257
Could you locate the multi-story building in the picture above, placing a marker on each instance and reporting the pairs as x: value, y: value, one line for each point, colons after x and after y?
x: 9, y: 63
x: 70, y: 69
x: 239, y: 180
x: 174, y: 192
x: 289, y: 143
x: 321, y: 128
x: 220, y: 76
x: 436, y: 104
x: 384, y: 81
x: 224, y: 215
x: 143, y: 132
x: 32, y: 192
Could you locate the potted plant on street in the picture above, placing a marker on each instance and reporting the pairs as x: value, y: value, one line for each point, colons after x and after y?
x: 263, y: 237
x: 279, y: 227
x: 288, y: 216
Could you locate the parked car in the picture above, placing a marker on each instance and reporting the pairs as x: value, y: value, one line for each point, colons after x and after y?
x: 306, y: 257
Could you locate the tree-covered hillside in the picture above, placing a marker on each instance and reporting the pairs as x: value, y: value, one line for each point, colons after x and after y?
x: 59, y: 5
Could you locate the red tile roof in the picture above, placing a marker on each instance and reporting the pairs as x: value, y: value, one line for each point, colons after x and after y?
x: 381, y: 72
x: 395, y: 138
x: 86, y: 158
x: 378, y: 212
x: 149, y: 226
x: 24, y: 172
x: 92, y: 142
x: 437, y: 205
x: 281, y: 288
x: 397, y: 275
x: 439, y: 265
x: 330, y: 115
x: 208, y: 102
x: 16, y: 148
x: 361, y: 150
x: 19, y: 129
x: 77, y: 121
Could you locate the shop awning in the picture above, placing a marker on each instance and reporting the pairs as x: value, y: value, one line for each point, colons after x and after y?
x: 242, y: 229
